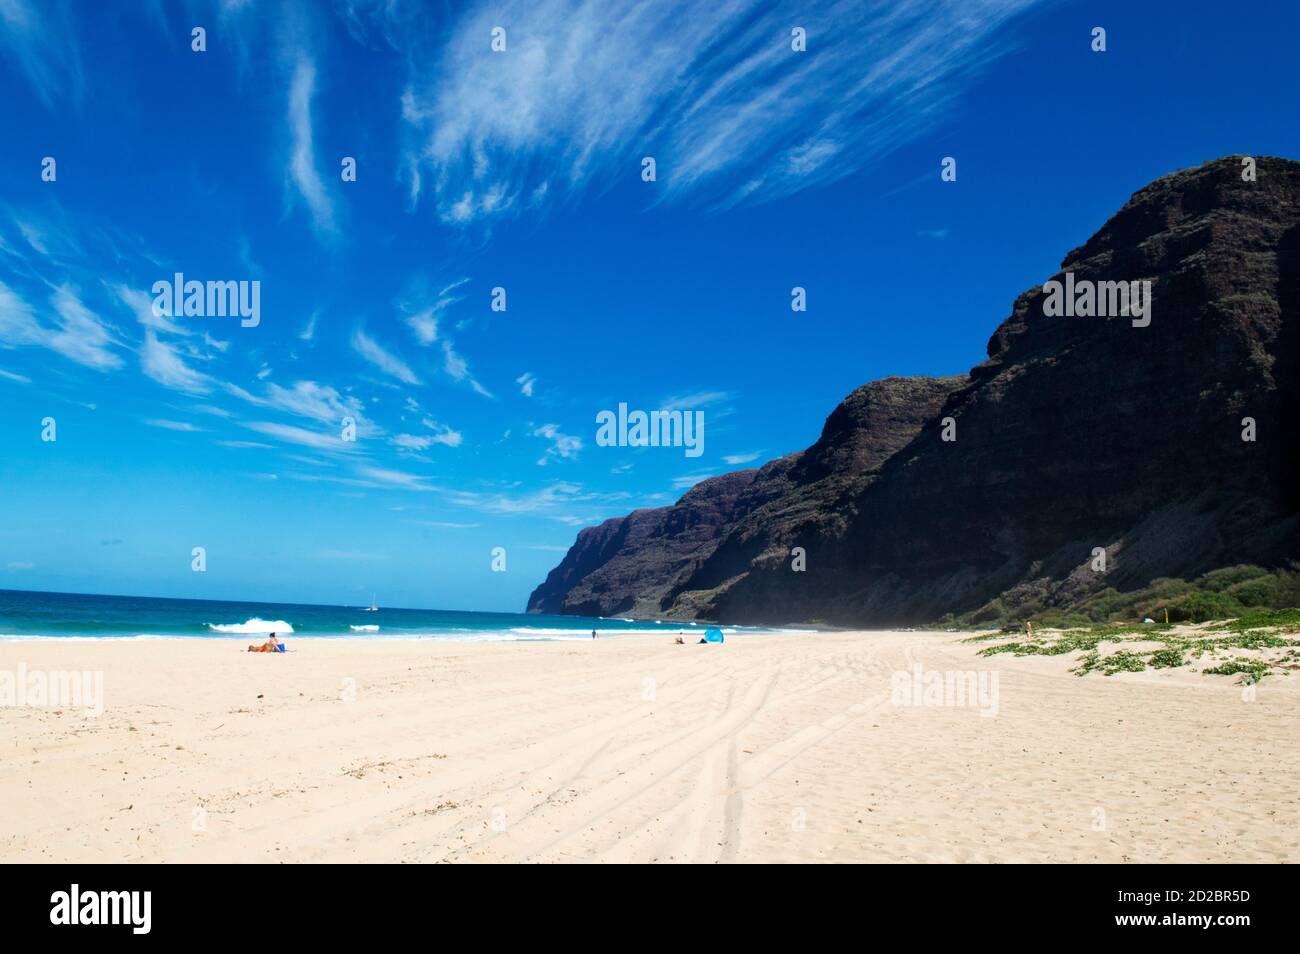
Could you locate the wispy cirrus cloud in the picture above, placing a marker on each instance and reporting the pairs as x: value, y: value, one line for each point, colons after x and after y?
x: 77, y: 333
x: 444, y: 435
x: 40, y: 40
x: 246, y: 445
x: 161, y: 362
x: 694, y: 401
x: 308, y: 399
x: 562, y: 501
x: 728, y: 109
x: 141, y: 306
x: 301, y: 436
x: 548, y: 501
x: 458, y: 369
x: 303, y: 173
x: 393, y: 478
x: 421, y: 316
x: 169, y: 425
x: 382, y: 358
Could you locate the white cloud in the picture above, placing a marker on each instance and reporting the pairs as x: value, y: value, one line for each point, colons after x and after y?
x: 214, y: 411
x: 445, y: 435
x: 315, y: 402
x: 34, y: 236
x: 526, y: 381
x: 458, y: 368
x: 302, y: 161
x: 301, y: 436
x: 384, y: 360
x: 695, y: 401
x: 423, y: 317
x: 564, y: 446
x: 161, y: 362
x: 173, y: 425
x: 549, y: 501
x: 78, y: 334
x: 442, y: 433
x: 20, y: 378
x: 412, y: 442
x: 734, y: 459
x: 81, y: 336
x: 141, y: 305
x: 727, y: 109
x: 425, y: 326
x: 395, y: 478
x: 45, y: 50
x: 318, y: 402
x: 18, y: 325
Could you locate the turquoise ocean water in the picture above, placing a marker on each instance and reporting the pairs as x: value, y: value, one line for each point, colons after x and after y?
x: 25, y: 614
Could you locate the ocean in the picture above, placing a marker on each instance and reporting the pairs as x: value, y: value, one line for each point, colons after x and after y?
x: 34, y: 615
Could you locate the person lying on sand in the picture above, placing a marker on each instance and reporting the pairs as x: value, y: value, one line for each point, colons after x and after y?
x: 272, y: 645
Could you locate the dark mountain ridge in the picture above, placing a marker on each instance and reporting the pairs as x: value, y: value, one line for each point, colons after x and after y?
x: 1075, y: 433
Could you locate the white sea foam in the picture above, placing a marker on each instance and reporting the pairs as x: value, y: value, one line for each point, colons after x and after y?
x: 364, y: 629
x: 254, y: 626
x: 534, y: 631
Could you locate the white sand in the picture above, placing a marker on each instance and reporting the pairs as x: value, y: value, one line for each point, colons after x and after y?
x: 781, y: 748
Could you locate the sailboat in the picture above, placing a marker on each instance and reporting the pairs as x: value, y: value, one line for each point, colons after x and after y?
x: 373, y: 607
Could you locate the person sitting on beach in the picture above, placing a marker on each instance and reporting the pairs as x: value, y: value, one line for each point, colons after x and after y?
x: 272, y: 645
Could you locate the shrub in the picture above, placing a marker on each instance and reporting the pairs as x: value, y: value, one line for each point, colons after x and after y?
x: 1229, y: 576
x: 1166, y: 658
x: 1253, y: 668
x: 1201, y: 607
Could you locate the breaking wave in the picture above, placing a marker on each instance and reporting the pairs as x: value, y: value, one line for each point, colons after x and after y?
x: 254, y: 626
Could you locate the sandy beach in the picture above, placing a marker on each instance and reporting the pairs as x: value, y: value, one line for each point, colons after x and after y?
x: 783, y: 748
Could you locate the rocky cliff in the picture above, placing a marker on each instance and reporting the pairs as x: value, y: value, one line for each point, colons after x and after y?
x: 926, y: 497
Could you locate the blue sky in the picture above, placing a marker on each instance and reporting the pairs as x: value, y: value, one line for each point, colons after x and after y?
x: 522, y: 169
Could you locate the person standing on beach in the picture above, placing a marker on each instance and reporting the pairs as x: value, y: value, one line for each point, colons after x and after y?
x: 593, y: 634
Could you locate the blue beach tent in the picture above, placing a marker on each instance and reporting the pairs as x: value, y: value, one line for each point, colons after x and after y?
x: 713, y: 635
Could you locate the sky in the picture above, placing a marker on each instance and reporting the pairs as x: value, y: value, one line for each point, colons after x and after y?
x: 522, y: 169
